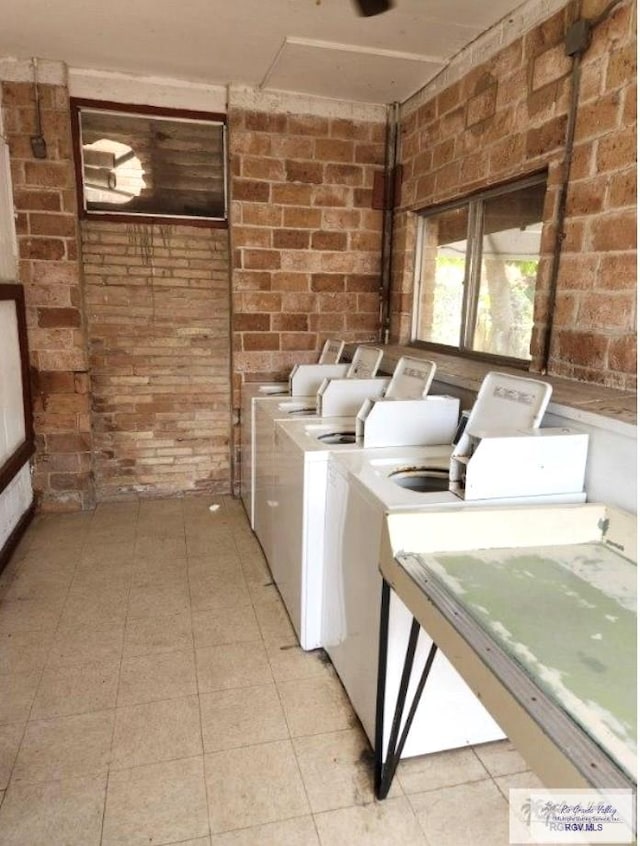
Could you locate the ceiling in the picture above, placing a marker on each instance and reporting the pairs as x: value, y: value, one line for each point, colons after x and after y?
x: 318, y: 47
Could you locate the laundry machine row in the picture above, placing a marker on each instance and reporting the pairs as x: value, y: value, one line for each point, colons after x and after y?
x: 489, y: 466
x: 295, y: 397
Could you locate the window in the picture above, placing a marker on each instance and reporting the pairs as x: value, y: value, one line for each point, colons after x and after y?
x: 476, y: 271
x: 148, y: 163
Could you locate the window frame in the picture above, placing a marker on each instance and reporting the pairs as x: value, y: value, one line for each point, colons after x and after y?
x: 474, y: 204
x: 79, y: 103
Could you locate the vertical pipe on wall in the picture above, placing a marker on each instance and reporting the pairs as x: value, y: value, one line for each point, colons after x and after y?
x: 390, y: 174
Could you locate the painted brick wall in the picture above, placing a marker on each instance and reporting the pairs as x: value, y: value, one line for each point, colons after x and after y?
x: 44, y: 196
x: 157, y: 301
x: 507, y: 118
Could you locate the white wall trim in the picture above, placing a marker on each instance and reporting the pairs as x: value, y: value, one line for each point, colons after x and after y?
x: 505, y: 32
x: 284, y: 102
x: 50, y: 72
x: 146, y: 90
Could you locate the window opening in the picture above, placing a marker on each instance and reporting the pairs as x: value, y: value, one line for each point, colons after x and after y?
x: 477, y: 269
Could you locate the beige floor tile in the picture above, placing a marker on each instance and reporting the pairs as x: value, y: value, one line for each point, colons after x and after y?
x: 255, y: 570
x: 46, y: 585
x: 60, y: 812
x: 23, y: 652
x: 300, y: 831
x: 162, y: 599
x: 217, y: 585
x: 156, y: 731
x: 457, y: 816
x: 254, y: 785
x: 211, y: 544
x: 95, y: 578
x: 94, y: 607
x: 289, y: 662
x: 17, y: 692
x: 10, y: 738
x: 150, y: 678
x: 85, y: 644
x: 165, y: 633
x: 199, y: 841
x: 501, y: 758
x: 30, y: 615
x: 441, y: 769
x: 153, y: 572
x: 232, y: 665
x: 388, y: 823
x: 242, y: 717
x: 65, y: 747
x: 315, y: 706
x: 150, y: 549
x: 226, y: 625
x: 518, y: 781
x: 274, y: 621
x: 106, y: 557
x: 156, y: 803
x: 76, y: 689
x: 337, y: 769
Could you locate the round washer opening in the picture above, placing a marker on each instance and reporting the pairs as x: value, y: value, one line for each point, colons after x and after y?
x: 338, y: 438
x: 421, y: 479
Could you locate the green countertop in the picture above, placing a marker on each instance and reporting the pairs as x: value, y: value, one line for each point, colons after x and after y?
x: 567, y: 615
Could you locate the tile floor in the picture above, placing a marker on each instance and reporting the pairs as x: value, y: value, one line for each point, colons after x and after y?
x: 151, y: 692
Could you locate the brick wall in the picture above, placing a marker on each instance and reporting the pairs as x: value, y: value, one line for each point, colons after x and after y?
x: 306, y: 242
x: 157, y: 301
x: 506, y: 118
x: 44, y: 196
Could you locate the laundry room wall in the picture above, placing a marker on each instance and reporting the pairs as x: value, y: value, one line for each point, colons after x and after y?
x: 500, y: 112
x: 49, y: 270
x: 305, y: 237
x: 157, y: 306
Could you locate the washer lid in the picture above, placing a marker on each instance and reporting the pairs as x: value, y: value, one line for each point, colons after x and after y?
x: 505, y: 401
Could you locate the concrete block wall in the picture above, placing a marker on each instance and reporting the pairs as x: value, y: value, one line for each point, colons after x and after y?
x: 49, y: 270
x: 157, y: 307
x: 507, y: 117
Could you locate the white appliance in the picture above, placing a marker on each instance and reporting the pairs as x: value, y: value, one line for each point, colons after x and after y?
x: 250, y: 391
x: 267, y: 410
x: 361, y: 489
x: 296, y: 503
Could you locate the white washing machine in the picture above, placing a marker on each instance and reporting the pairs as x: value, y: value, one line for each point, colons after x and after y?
x: 251, y: 391
x: 297, y: 398
x: 361, y: 489
x: 298, y: 493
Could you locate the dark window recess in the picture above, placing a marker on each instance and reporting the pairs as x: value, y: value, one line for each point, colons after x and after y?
x: 150, y: 165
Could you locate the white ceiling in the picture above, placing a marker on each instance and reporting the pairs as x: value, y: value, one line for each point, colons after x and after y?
x: 319, y: 47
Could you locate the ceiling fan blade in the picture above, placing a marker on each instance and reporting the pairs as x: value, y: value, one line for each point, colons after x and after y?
x: 368, y: 8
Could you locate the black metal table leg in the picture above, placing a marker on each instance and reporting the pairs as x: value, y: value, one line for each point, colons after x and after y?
x: 385, y: 766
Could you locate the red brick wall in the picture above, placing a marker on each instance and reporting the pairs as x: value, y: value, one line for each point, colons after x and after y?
x: 44, y: 196
x: 157, y: 302
x: 306, y: 242
x: 507, y: 118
